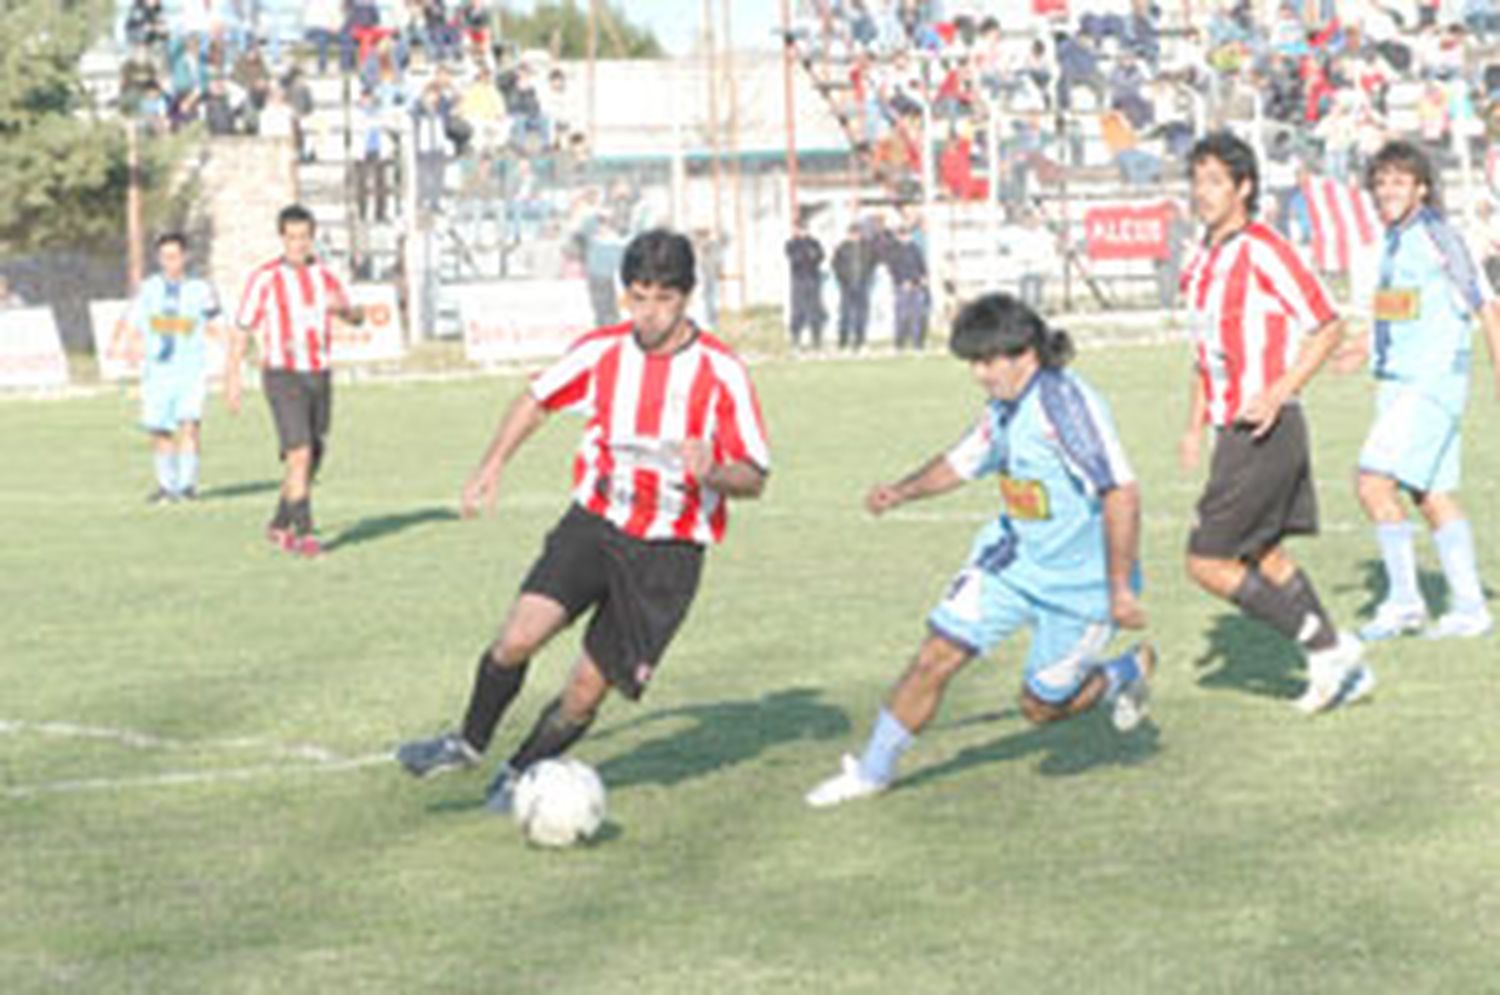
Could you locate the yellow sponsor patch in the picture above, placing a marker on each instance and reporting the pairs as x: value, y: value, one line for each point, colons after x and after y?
x: 170, y: 324
x: 1025, y: 500
x: 1398, y: 304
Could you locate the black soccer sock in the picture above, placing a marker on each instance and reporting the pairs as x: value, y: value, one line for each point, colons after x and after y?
x: 1292, y: 609
x: 283, y: 517
x: 553, y: 733
x: 1260, y: 599
x: 300, y: 513
x: 1319, y: 634
x: 495, y: 687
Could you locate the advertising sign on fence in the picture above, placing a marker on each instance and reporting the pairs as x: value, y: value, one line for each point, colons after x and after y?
x: 31, y: 354
x: 522, y: 319
x: 381, y: 337
x: 1126, y: 231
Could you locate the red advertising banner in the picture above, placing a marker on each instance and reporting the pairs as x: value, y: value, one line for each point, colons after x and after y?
x: 1128, y: 232
x: 1049, y: 8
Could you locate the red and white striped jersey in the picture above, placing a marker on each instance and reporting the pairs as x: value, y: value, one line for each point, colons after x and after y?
x: 1251, y: 299
x: 291, y: 307
x: 1342, y: 223
x: 640, y: 407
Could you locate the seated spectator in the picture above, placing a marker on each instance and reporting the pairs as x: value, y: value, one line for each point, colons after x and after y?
x: 528, y: 128
x: 480, y: 105
x: 323, y: 22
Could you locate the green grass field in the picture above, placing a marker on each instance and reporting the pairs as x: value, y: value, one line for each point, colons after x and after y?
x: 191, y: 798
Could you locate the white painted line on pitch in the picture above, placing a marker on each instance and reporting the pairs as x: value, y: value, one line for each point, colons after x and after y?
x: 135, y: 739
x: 172, y: 779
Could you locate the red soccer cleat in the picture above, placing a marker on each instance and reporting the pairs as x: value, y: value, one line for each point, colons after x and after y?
x: 308, y: 547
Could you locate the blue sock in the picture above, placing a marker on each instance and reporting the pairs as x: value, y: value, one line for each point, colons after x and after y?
x: 1400, y: 556
x: 187, y: 470
x: 1455, y: 546
x: 166, y: 472
x: 1120, y: 671
x: 888, y: 740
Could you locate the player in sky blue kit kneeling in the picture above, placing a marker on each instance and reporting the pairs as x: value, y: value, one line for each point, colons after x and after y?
x: 1062, y: 558
x: 1430, y: 293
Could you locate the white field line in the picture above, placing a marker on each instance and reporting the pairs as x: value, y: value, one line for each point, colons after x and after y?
x: 293, y: 758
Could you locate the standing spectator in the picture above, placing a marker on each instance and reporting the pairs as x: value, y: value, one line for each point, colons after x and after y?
x: 908, y: 268
x: 291, y: 302
x: 854, y: 269
x: 709, y: 247
x: 1033, y: 251
x: 804, y: 254
x: 375, y: 158
x: 430, y: 145
x: 604, y: 248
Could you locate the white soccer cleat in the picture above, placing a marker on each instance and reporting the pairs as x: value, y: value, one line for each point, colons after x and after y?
x: 1133, y: 702
x: 1337, y: 676
x: 1461, y: 625
x: 845, y: 786
x: 1391, y: 621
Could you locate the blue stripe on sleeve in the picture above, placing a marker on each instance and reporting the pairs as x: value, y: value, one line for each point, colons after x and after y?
x: 1079, y: 434
x: 1457, y: 262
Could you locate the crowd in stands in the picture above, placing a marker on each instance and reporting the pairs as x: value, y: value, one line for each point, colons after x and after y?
x: 1050, y: 78
x: 490, y: 133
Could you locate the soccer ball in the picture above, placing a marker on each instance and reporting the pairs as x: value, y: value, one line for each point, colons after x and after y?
x: 559, y: 802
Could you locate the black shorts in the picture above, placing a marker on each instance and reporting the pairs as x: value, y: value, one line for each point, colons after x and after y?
x: 1258, y: 492
x: 302, y: 407
x: 640, y: 592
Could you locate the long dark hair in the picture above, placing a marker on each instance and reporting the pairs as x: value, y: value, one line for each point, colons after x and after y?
x: 1000, y: 325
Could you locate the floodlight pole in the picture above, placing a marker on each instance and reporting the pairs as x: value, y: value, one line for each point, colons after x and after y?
x: 788, y: 84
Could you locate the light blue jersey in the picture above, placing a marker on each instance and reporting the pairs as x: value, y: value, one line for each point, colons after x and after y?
x: 172, y: 318
x: 1429, y: 294
x: 1056, y: 452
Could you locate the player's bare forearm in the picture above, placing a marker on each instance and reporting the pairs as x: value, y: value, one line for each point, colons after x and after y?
x: 524, y: 416
x: 1191, y: 444
x: 1122, y: 532
x: 934, y: 477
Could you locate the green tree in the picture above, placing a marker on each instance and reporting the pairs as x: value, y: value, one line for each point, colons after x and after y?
x: 62, y: 167
x: 563, y: 29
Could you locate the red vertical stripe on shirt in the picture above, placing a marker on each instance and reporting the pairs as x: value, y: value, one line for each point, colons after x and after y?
x: 1310, y: 190
x: 1232, y: 330
x: 649, y: 404
x: 604, y: 463
x: 283, y: 320
x: 699, y: 395
x: 1273, y: 354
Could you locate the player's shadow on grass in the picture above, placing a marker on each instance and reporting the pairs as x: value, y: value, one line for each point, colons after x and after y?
x: 249, y: 488
x: 1432, y: 584
x: 1246, y: 655
x: 721, y: 734
x: 381, y: 526
x: 1068, y: 748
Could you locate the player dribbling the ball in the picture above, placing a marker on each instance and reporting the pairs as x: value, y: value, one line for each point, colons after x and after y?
x: 673, y: 431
